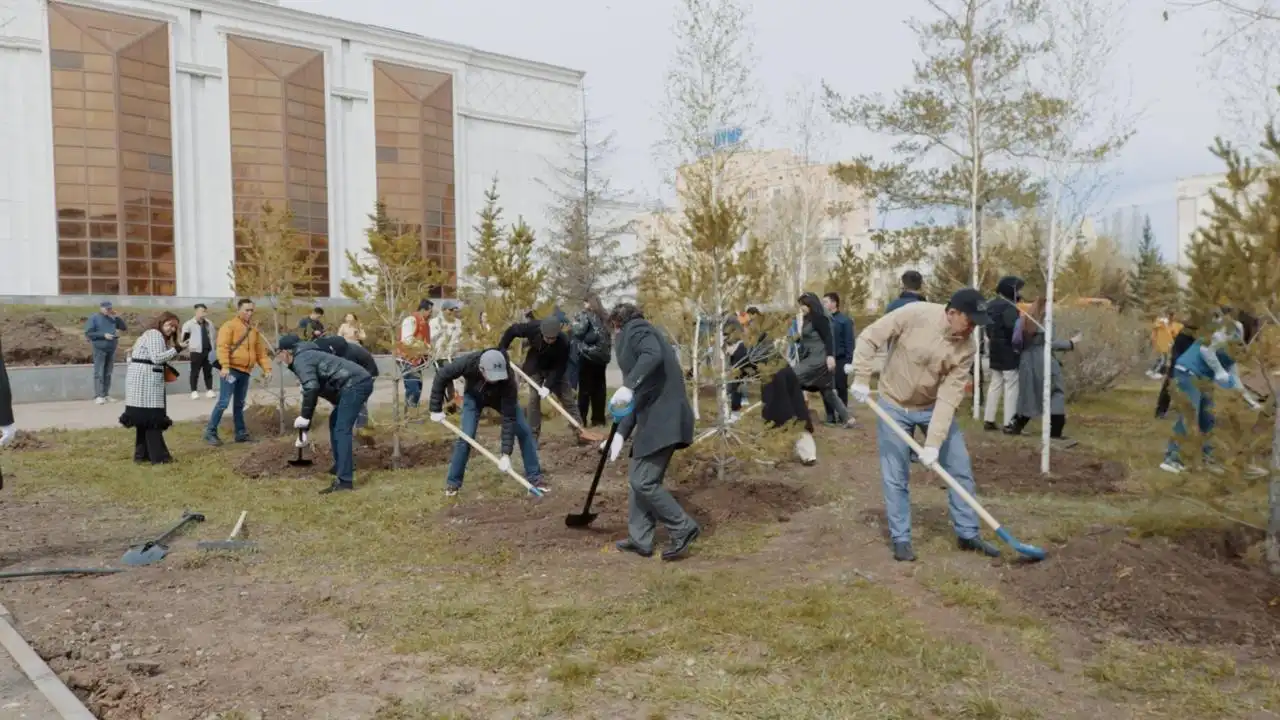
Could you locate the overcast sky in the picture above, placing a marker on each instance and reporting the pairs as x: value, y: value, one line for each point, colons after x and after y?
x: 856, y: 45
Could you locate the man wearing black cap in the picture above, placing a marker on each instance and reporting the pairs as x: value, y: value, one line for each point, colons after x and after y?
x: 341, y: 382
x: 546, y: 363
x: 921, y: 385
x: 487, y: 385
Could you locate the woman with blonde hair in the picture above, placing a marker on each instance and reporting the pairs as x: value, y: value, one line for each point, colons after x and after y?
x: 146, y: 402
x: 351, y: 330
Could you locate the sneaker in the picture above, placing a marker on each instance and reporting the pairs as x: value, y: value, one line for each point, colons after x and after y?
x: 630, y: 547
x: 850, y: 424
x: 1214, y: 467
x: 989, y: 427
x: 541, y: 484
x: 212, y: 439
x: 100, y: 401
x: 451, y: 492
x: 902, y: 552
x: 1255, y: 471
x: 978, y: 545
x: 111, y: 399
x: 195, y: 394
x: 1172, y: 466
x: 338, y: 487
x: 209, y: 394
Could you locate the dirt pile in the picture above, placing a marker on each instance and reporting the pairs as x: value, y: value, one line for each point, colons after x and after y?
x: 34, y: 340
x: 1195, y: 590
x: 25, y: 440
x: 1016, y: 468
x: 270, y: 459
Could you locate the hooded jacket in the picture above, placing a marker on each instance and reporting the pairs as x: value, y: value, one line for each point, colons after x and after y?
x: 323, y: 375
x: 502, y: 396
x: 1003, y: 310
x: 349, y: 351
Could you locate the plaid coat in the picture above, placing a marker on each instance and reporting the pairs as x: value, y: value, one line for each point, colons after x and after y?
x: 144, y: 383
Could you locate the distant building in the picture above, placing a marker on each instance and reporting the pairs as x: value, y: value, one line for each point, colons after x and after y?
x: 1194, y: 205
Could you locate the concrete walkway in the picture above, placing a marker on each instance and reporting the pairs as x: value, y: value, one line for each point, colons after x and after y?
x: 19, y: 697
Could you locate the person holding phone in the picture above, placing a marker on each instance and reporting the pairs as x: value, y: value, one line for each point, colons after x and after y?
x: 103, y: 329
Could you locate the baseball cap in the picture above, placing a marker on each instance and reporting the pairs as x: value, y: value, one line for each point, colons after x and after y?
x: 971, y: 303
x: 550, y: 326
x: 288, y: 342
x: 493, y: 365
x: 105, y: 304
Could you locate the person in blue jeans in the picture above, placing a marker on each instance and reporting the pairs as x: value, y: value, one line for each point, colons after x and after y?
x: 921, y: 386
x: 487, y: 385
x: 1196, y: 365
x: 103, y: 329
x: 344, y: 384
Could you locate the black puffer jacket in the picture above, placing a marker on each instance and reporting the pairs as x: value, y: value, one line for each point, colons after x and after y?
x: 339, y: 346
x: 502, y: 396
x: 592, y: 338
x: 1003, y: 310
x: 323, y: 375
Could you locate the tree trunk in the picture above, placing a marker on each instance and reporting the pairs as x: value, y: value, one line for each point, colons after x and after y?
x: 696, y: 360
x: 722, y: 387
x: 1047, y: 387
x: 397, y: 418
x: 1273, y: 496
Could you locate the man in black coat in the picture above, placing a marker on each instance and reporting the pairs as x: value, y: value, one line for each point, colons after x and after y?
x: 660, y: 423
x: 546, y: 362
x: 8, y: 428
x: 1002, y: 356
x: 487, y: 385
x: 341, y: 382
x: 338, y: 345
x: 843, y: 339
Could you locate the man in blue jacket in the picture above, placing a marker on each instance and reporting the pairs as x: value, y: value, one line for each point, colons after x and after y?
x: 912, y: 284
x: 843, y: 339
x: 103, y: 330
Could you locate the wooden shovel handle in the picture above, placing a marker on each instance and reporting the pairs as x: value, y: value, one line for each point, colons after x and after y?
x: 481, y: 449
x: 550, y: 398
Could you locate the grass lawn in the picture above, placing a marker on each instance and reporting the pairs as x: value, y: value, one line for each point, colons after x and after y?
x: 395, y: 603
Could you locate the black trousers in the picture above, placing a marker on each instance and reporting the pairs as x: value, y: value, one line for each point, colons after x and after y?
x: 842, y: 380
x: 591, y: 392
x: 200, y: 363
x: 149, y: 446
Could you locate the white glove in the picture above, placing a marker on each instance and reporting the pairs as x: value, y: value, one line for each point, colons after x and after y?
x: 1223, y: 378
x: 7, y: 434
x: 504, y: 463
x: 622, y: 397
x: 848, y: 369
x: 614, y: 449
x: 860, y: 393
x: 301, y: 441
x: 437, y: 417
x: 928, y: 456
x: 544, y: 393
x: 301, y: 423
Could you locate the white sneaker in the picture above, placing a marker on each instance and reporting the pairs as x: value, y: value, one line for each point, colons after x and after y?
x: 195, y: 394
x: 208, y: 394
x: 111, y: 400
x: 100, y: 401
x: 1172, y: 466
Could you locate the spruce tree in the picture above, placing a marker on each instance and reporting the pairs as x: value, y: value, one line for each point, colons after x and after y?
x: 1152, y: 289
x: 486, y: 258
x: 848, y: 276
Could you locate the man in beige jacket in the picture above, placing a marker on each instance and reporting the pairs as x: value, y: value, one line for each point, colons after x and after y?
x: 921, y: 385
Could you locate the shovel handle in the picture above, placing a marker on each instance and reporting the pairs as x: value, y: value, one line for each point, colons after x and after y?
x: 481, y: 449
x: 550, y: 398
x: 239, y: 524
x: 604, y: 457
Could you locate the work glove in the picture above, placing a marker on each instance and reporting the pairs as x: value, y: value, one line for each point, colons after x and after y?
x: 437, y: 417
x: 848, y: 369
x: 831, y: 364
x: 544, y: 393
x: 504, y: 463
x: 301, y: 423
x: 928, y: 456
x: 622, y: 397
x: 860, y: 393
x: 8, y: 433
x: 1223, y: 378
x: 615, y: 448
x: 301, y: 441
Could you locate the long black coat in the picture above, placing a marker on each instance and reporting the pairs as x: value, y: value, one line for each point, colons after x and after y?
x: 662, y: 416
x: 6, y: 395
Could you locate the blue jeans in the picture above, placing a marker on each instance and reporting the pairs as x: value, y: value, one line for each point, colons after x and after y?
x: 232, y: 390
x: 103, y: 363
x: 462, y: 450
x: 895, y: 465
x: 573, y: 370
x: 412, y: 384
x: 341, y: 423
x: 1201, y: 404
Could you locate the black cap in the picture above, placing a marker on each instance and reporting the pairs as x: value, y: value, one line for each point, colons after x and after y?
x: 288, y: 342
x: 971, y: 303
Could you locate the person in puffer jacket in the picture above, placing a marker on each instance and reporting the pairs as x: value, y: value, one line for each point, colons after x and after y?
x: 594, y: 343
x: 341, y: 382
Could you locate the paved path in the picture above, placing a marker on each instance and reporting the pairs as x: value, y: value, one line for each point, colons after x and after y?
x: 19, y: 698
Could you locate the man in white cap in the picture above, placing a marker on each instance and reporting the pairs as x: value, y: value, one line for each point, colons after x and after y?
x: 921, y: 385
x: 486, y: 385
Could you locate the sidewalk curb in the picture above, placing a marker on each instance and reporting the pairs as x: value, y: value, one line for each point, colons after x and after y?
x: 64, y: 702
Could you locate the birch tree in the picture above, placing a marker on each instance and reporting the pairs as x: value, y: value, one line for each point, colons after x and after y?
x: 1085, y: 132
x: 964, y: 126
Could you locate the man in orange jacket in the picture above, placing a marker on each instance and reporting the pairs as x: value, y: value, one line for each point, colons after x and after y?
x: 239, y: 348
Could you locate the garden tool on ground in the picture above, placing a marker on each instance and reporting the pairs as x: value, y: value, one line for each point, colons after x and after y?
x: 231, y: 543
x: 154, y: 550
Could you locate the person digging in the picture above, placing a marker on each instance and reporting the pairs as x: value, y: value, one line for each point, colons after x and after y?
x: 547, y: 363
x: 661, y: 422
x: 344, y: 384
x: 486, y: 385
x: 921, y: 385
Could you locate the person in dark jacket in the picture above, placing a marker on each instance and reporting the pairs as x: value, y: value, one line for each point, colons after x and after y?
x: 783, y: 403
x: 546, y: 362
x: 1001, y: 353
x: 102, y: 329
x: 660, y: 422
x: 344, y: 384
x: 842, y: 337
x: 594, y: 343
x: 912, y: 284
x: 311, y: 327
x: 745, y: 359
x: 487, y: 385
x: 338, y: 345
x: 8, y: 427
x: 816, y: 366
x: 1185, y: 338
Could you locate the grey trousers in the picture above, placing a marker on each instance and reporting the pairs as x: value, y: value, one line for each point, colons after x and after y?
x: 648, y: 502
x: 563, y: 393
x: 103, y: 363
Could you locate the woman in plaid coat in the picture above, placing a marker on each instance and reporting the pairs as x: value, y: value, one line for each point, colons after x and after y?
x: 145, y: 400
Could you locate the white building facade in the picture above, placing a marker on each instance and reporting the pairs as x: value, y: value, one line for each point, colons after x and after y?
x: 1195, y: 204
x: 137, y: 132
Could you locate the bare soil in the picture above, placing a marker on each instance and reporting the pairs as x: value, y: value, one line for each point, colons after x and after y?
x: 1015, y: 467
x: 25, y: 440
x: 38, y: 340
x: 1157, y: 588
x: 270, y: 458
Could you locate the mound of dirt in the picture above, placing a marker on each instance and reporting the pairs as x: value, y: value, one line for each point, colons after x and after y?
x: 34, y: 340
x: 738, y: 499
x: 24, y: 440
x: 271, y: 458
x: 1156, y: 589
x: 1015, y: 467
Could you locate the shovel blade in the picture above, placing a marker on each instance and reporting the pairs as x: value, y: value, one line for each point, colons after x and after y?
x: 145, y: 554
x: 579, y: 520
x: 300, y: 463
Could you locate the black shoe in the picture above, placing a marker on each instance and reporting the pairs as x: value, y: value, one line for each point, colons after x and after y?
x: 628, y: 546
x: 679, y: 547
x: 212, y: 439
x: 338, y: 487
x: 989, y: 426
x: 978, y: 545
x: 902, y: 552
x: 242, y: 438
x: 332, y: 471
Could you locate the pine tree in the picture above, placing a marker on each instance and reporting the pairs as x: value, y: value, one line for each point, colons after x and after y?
x: 849, y: 277
x: 1079, y: 276
x: 521, y: 281
x: 486, y: 259
x: 1152, y: 288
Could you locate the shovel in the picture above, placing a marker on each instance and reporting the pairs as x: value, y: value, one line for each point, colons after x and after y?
x: 231, y: 543
x: 302, y: 441
x: 584, y: 433
x: 584, y: 518
x: 153, y: 551
x: 536, y: 492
